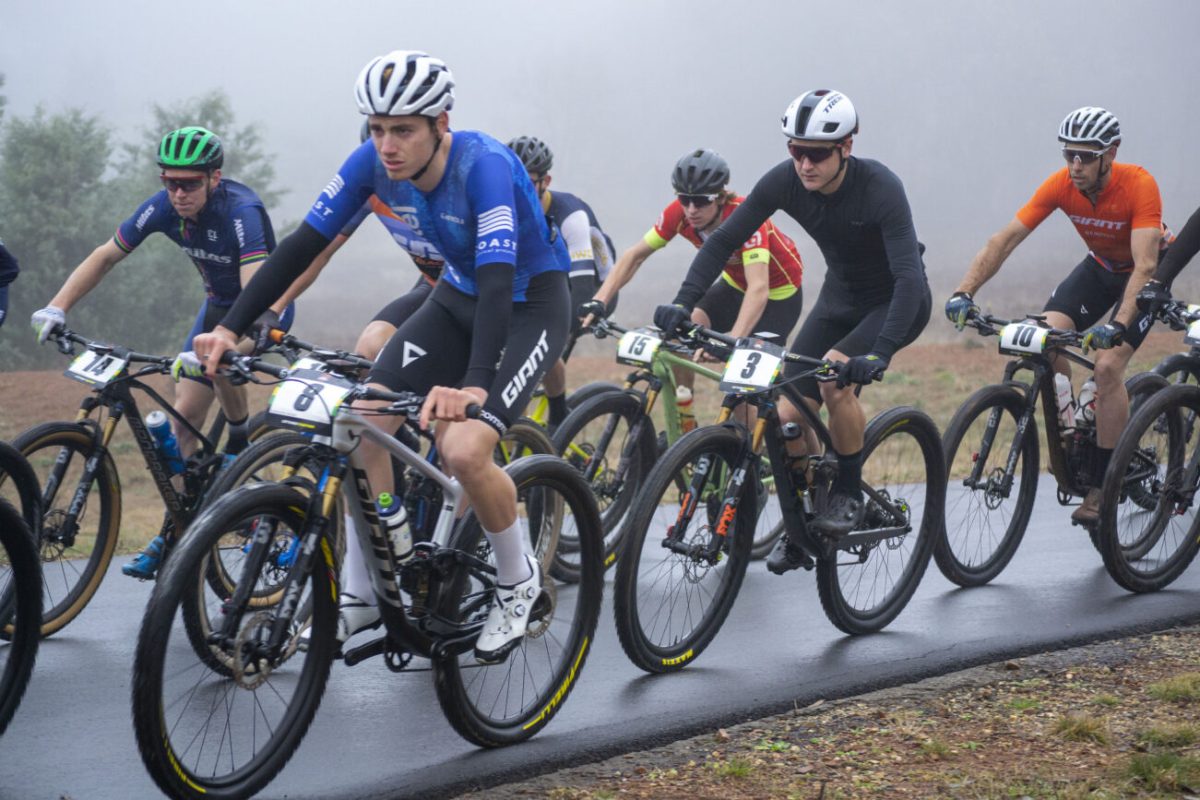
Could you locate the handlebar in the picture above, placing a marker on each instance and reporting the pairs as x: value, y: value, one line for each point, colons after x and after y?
x: 990, y: 325
x: 65, y: 339
x: 345, y: 357
x: 1177, y: 314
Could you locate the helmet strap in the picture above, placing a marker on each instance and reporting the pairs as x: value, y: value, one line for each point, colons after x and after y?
x: 437, y: 144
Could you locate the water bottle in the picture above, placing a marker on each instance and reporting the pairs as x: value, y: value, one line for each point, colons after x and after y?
x: 1085, y: 410
x: 683, y: 402
x: 394, y: 520
x: 160, y: 428
x: 1066, y: 403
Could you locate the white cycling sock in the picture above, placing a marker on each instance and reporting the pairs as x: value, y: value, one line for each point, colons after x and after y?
x: 355, y: 578
x: 509, y: 548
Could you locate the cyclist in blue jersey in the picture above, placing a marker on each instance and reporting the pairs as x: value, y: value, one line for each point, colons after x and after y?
x: 224, y: 228
x: 8, y: 274
x: 496, y: 320
x: 591, y: 251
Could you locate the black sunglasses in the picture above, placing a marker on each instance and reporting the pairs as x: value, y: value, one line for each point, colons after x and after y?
x: 696, y: 200
x: 187, y: 185
x: 814, y: 154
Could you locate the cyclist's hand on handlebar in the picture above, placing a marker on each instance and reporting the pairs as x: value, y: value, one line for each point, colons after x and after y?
x: 1153, y: 296
x: 188, y: 364
x: 47, y: 320
x: 450, y: 404
x: 591, y: 311
x: 209, y: 347
x: 1103, y: 337
x: 260, y: 331
x: 861, y: 369
x: 960, y: 308
x: 671, y: 318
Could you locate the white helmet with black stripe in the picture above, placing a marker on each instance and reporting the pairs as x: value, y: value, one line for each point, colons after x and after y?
x: 1090, y: 125
x: 820, y: 115
x: 404, y: 83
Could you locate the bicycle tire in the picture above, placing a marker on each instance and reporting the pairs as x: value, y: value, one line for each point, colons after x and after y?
x: 970, y: 550
x: 163, y: 718
x: 22, y: 583
x: 1167, y: 543
x: 621, y: 461
x: 665, y: 644
x: 840, y: 583
x: 588, y: 391
x: 564, y: 641
x: 71, y: 575
x: 770, y: 525
x: 14, y: 467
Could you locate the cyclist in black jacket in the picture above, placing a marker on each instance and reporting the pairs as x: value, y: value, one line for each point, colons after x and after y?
x: 8, y: 274
x: 875, y: 299
x: 1157, y: 290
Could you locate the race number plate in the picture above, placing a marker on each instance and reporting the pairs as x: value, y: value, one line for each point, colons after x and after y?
x: 308, y: 401
x: 96, y: 369
x: 753, y: 367
x: 1021, y: 338
x: 637, y: 348
x: 1193, y: 334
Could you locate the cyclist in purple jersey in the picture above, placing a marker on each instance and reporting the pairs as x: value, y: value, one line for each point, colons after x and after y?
x: 8, y: 274
x: 495, y: 321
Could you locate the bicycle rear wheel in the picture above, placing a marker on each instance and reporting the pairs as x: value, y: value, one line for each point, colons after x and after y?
x: 610, y: 441
x: 672, y: 593
x: 502, y: 704
x: 985, y: 519
x: 863, y: 586
x: 20, y: 583
x: 226, y: 731
x: 1146, y: 546
x: 73, y: 561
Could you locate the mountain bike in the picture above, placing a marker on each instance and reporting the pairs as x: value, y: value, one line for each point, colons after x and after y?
x: 80, y: 502
x: 690, y: 526
x: 1147, y: 545
x: 991, y: 447
x: 247, y: 680
x: 611, y: 437
x: 20, y: 585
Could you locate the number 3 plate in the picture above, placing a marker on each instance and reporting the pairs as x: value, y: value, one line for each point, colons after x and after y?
x: 637, y: 348
x: 1019, y: 338
x: 753, y: 367
x: 96, y: 369
x: 308, y: 401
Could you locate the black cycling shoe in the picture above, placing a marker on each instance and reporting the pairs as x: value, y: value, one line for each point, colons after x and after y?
x: 784, y: 557
x: 843, y: 515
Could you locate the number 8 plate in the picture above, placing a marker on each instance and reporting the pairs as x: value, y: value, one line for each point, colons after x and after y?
x: 753, y: 367
x: 308, y: 401
x: 637, y: 348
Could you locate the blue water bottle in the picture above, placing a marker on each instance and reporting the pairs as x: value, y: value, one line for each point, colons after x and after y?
x: 168, y: 447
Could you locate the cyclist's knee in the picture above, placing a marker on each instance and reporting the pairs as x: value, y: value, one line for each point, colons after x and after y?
x: 466, y: 448
x: 1110, y: 369
x: 373, y: 338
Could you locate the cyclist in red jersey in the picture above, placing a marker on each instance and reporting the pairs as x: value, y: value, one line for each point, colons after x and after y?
x: 757, y: 293
x: 1117, y: 210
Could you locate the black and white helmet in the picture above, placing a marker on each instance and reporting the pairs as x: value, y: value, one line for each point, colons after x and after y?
x: 403, y: 83
x: 1090, y: 125
x: 700, y: 172
x: 534, y: 154
x: 822, y: 115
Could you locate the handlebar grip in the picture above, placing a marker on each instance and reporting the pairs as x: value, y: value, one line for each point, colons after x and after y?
x: 474, y: 410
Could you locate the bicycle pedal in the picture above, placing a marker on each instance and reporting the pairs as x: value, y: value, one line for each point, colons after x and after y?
x: 356, y: 655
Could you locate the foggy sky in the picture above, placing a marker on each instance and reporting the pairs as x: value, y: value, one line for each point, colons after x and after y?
x: 962, y: 100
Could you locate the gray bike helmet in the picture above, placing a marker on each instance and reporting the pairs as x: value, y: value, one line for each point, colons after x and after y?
x: 700, y: 172
x: 534, y: 154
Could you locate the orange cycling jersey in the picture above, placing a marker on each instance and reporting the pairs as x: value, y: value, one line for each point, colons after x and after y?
x: 1129, y: 201
x: 767, y: 246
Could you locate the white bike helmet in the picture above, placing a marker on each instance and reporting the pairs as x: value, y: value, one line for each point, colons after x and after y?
x: 1090, y: 125
x: 822, y: 114
x: 405, y: 82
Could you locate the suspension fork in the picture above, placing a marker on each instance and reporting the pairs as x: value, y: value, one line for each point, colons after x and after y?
x: 976, y: 480
x: 101, y: 437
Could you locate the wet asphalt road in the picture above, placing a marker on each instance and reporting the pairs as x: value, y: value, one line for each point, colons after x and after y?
x: 380, y: 735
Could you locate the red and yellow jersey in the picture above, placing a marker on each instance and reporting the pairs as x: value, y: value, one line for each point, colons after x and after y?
x: 1129, y: 201
x: 767, y: 246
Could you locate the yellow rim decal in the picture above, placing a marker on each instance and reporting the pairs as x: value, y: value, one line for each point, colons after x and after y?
x: 562, y: 690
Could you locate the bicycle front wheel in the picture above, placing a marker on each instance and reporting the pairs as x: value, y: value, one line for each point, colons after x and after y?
x: 875, y: 571
x: 610, y: 440
x: 684, y: 558
x: 74, y: 556
x: 502, y: 704
x: 770, y: 515
x: 226, y: 731
x: 1147, y: 533
x: 20, y: 584
x: 988, y: 504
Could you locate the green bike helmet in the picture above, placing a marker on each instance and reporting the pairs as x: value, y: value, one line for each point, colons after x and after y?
x: 191, y: 148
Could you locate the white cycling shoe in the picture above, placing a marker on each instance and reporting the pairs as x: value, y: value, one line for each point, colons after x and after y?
x: 354, y: 615
x: 509, y: 618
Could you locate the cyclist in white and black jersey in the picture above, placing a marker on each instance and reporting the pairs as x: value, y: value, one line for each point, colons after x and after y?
x: 591, y: 251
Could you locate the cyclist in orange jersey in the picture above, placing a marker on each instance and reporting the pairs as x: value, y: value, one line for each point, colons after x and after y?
x: 1117, y: 210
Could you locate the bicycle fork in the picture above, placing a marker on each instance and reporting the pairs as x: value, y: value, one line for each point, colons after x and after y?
x: 66, y: 532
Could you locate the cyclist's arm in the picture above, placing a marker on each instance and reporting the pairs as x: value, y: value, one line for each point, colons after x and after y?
x: 1143, y: 242
x: 754, y: 302
x: 576, y: 231
x: 1182, y: 250
x: 87, y: 275
x: 904, y: 260
x: 623, y: 271
x: 739, y: 226
x: 988, y: 260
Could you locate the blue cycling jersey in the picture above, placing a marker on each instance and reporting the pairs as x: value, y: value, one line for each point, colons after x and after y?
x: 232, y: 231
x: 423, y: 254
x: 483, y: 211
